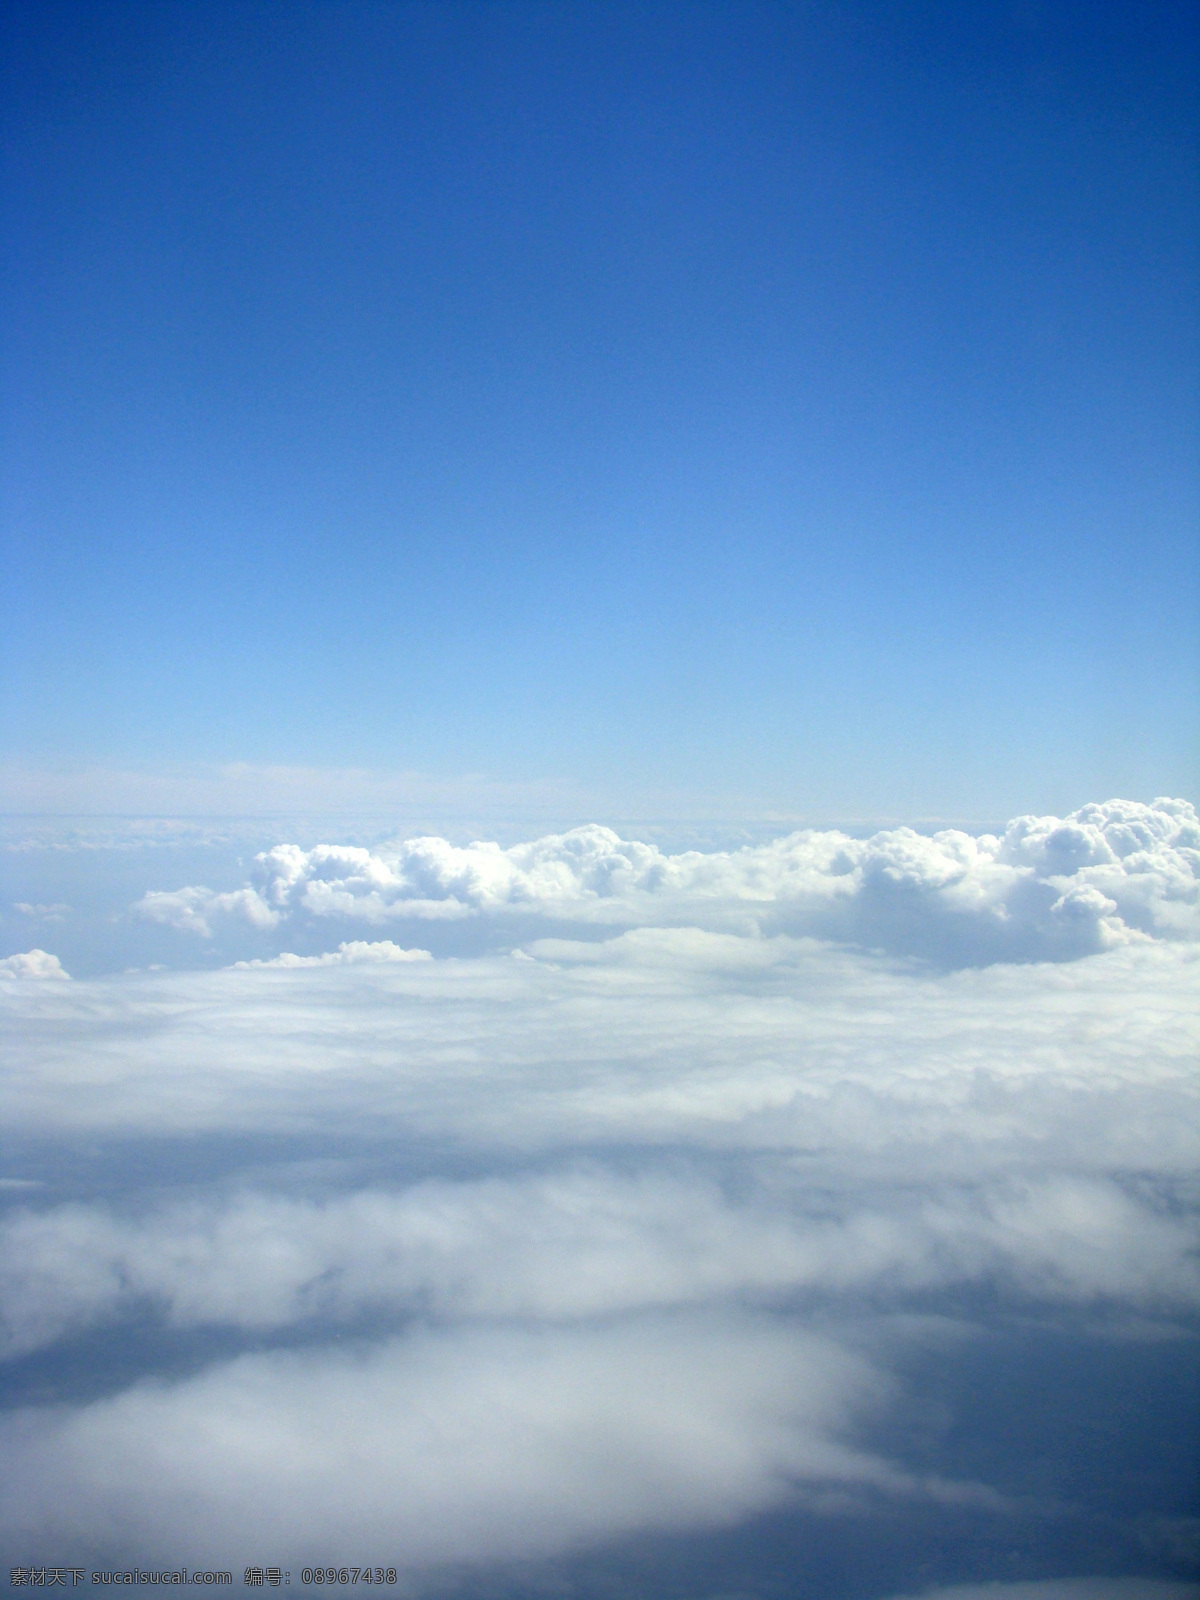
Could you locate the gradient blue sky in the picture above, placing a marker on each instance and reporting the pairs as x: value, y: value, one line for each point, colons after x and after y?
x: 793, y: 402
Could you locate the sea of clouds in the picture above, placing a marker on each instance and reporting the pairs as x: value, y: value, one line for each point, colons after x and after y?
x: 633, y: 1220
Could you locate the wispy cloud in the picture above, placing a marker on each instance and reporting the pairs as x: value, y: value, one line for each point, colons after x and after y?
x: 50, y: 913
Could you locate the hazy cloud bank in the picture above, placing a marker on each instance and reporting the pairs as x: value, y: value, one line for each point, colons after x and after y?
x: 449, y: 1445
x: 583, y: 1243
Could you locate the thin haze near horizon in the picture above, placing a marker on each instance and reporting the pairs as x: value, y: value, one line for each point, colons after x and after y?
x: 599, y: 864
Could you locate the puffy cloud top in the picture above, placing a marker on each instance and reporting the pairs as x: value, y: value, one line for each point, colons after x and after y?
x: 32, y: 964
x: 350, y: 953
x: 1047, y: 888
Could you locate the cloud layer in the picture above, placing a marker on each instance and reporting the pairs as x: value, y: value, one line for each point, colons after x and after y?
x: 660, y: 1037
x: 580, y: 1243
x: 520, y: 1252
x: 1048, y: 888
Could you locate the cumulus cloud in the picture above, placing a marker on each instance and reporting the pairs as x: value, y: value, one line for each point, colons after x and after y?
x: 193, y: 909
x: 351, y: 952
x: 1047, y: 888
x: 32, y: 964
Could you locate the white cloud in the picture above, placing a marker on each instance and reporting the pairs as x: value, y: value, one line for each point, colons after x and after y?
x: 1047, y: 888
x: 1030, y: 1127
x: 192, y: 910
x: 32, y: 964
x: 584, y: 1242
x: 657, y: 1037
x: 351, y: 952
x: 476, y: 1443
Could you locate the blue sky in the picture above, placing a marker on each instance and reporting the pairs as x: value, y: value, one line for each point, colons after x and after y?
x: 795, y: 403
